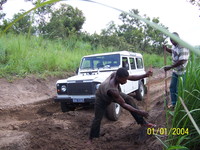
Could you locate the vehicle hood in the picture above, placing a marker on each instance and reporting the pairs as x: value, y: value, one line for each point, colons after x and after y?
x: 96, y: 77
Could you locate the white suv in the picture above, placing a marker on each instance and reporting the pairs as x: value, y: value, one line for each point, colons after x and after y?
x: 94, y: 69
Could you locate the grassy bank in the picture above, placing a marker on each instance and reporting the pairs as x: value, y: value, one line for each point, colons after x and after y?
x: 188, y: 121
x: 20, y: 56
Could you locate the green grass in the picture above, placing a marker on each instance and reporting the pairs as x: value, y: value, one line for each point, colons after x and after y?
x: 187, y: 118
x: 21, y: 56
x: 155, y: 60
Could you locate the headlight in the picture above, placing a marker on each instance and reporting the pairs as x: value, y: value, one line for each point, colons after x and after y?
x: 97, y: 86
x: 63, y: 88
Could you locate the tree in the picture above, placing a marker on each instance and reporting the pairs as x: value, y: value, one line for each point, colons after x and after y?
x: 131, y: 29
x: 42, y: 14
x: 153, y: 38
x: 109, y: 37
x: 2, y: 14
x: 195, y: 2
x: 63, y: 21
x: 23, y: 26
x: 139, y: 35
x: 1, y: 3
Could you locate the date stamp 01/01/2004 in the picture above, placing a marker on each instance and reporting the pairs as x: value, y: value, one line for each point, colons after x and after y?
x: 167, y: 131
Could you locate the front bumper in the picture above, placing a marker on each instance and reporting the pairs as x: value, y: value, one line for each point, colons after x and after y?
x: 75, y: 99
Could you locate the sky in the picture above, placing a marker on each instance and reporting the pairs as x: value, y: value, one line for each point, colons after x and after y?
x: 178, y: 15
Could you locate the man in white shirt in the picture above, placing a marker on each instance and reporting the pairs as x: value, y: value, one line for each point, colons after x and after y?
x: 180, y: 56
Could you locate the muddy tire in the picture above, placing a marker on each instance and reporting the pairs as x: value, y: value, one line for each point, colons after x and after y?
x: 140, y: 92
x: 113, y: 111
x: 65, y: 107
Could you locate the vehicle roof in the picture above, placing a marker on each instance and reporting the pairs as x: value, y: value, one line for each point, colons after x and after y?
x: 124, y: 53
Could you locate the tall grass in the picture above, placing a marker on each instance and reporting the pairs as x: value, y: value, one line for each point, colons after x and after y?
x: 155, y: 60
x: 21, y: 56
x: 189, y: 91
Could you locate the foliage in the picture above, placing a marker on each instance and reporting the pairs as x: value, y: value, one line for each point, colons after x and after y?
x: 189, y: 91
x: 195, y: 2
x: 46, y: 21
x: 2, y: 15
x: 109, y: 37
x: 42, y: 14
x: 155, y: 60
x: 1, y: 3
x: 22, y: 26
x: 63, y: 21
x: 137, y: 35
x: 66, y: 21
x: 20, y: 56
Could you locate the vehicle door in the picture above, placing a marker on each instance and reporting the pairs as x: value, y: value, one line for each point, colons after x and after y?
x: 139, y: 65
x: 126, y: 88
x: 133, y: 71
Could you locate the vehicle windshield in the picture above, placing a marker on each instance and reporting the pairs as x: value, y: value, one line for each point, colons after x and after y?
x: 97, y: 62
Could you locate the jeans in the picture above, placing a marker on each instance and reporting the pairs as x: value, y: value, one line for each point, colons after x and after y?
x: 174, y: 87
x: 100, y: 109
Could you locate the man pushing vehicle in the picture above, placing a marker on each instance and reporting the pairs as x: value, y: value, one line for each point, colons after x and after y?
x: 109, y: 91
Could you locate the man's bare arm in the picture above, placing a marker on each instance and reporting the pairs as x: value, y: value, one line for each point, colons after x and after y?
x: 118, y: 99
x: 138, y: 77
x: 167, y: 49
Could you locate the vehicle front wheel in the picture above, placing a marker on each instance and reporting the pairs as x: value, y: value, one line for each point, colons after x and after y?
x: 140, y: 92
x: 113, y: 111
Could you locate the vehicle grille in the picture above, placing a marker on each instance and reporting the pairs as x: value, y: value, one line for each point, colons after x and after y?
x: 81, y: 88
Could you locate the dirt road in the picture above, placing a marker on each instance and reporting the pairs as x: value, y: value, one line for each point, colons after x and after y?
x: 31, y: 120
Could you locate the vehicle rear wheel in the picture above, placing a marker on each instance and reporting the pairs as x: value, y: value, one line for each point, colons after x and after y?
x: 65, y: 107
x: 113, y: 111
x: 140, y: 92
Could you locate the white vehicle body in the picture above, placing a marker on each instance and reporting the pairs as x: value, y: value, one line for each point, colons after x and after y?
x: 93, y: 70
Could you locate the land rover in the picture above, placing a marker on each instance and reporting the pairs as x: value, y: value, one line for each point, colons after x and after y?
x: 94, y: 69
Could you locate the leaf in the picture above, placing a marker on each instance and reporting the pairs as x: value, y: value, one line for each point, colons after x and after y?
x: 177, y: 147
x: 181, y: 139
x: 190, y: 116
x: 171, y: 113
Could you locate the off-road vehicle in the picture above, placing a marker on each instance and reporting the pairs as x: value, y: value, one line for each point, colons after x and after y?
x: 94, y: 69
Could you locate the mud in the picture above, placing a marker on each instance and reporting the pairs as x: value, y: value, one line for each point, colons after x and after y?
x: 31, y: 120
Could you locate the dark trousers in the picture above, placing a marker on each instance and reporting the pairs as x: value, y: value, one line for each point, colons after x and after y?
x: 100, y: 109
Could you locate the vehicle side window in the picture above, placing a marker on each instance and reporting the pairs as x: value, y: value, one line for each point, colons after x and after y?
x: 139, y: 63
x: 125, y: 63
x: 132, y: 63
